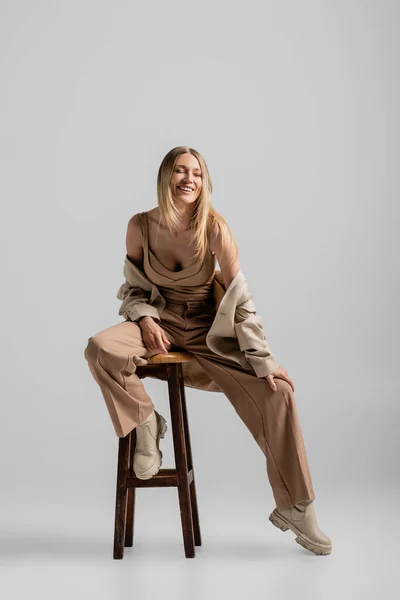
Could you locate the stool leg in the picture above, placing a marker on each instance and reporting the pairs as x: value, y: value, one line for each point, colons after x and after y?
x: 131, y: 495
x: 175, y: 398
x: 193, y: 495
x: 120, y: 500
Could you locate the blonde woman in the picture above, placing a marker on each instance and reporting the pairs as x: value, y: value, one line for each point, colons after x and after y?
x: 172, y: 250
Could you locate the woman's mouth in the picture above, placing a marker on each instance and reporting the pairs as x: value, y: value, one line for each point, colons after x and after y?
x: 184, y: 189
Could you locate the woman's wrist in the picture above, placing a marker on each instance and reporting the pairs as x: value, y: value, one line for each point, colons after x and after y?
x: 144, y: 319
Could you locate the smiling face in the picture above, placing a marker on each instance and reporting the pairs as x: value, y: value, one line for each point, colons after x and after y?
x: 186, y: 180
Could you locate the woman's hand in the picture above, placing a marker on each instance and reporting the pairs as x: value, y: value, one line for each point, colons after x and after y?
x: 153, y: 335
x: 280, y: 373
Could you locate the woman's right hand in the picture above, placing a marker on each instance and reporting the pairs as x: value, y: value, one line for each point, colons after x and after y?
x: 153, y: 335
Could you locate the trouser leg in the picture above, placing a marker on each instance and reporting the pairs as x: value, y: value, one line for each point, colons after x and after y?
x: 271, y: 417
x: 112, y: 356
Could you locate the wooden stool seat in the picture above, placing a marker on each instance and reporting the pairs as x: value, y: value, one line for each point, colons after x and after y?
x: 167, y: 367
x: 171, y: 357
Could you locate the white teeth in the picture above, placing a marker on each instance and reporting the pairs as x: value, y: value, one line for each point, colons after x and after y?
x: 185, y: 189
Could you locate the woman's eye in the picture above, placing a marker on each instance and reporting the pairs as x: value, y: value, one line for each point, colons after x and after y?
x: 181, y: 171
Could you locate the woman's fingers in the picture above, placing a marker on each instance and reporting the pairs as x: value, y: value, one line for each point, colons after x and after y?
x: 270, y: 379
x: 156, y: 341
x: 166, y: 340
x: 160, y: 343
x: 279, y: 373
x: 151, y: 344
x: 271, y: 382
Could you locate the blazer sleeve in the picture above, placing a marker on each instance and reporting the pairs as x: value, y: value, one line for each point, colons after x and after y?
x: 136, y: 303
x: 252, y: 341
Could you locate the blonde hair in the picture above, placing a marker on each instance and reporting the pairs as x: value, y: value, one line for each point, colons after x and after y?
x: 204, y: 214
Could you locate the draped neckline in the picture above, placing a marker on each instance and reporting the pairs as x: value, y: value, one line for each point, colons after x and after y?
x: 188, y: 271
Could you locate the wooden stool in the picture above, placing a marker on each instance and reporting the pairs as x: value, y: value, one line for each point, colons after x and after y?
x: 167, y: 367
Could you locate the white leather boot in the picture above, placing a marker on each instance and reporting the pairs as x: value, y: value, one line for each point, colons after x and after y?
x: 147, y: 458
x: 301, y: 519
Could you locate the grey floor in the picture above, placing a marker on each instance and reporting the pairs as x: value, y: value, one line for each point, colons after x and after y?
x: 60, y: 544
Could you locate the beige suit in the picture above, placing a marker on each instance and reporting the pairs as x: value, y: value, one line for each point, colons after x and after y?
x: 222, y: 329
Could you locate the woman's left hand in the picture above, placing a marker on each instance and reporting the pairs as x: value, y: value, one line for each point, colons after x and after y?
x: 280, y: 373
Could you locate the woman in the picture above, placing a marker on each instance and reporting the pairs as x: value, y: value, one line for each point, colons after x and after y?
x: 175, y: 246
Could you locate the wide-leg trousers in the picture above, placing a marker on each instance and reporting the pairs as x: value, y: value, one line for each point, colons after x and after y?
x: 271, y: 416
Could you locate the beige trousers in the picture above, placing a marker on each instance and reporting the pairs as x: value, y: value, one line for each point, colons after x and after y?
x: 271, y: 417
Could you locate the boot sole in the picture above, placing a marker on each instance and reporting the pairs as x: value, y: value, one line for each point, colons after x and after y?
x: 162, y: 429
x: 283, y: 524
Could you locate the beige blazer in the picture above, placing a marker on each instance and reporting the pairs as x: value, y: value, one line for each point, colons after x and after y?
x: 236, y: 332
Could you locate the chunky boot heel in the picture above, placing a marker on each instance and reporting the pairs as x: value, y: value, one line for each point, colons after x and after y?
x: 278, y: 522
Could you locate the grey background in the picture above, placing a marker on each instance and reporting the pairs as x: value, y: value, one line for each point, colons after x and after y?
x: 294, y: 106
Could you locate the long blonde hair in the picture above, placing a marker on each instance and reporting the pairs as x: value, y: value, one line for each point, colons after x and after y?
x: 204, y: 214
